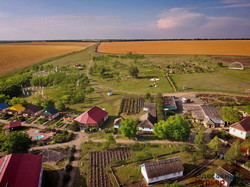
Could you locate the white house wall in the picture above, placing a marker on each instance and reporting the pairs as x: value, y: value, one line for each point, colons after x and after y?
x: 160, y: 178
x: 237, y: 133
x: 146, y: 129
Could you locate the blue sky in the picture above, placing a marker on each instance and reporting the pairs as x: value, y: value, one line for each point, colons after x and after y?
x: 123, y: 19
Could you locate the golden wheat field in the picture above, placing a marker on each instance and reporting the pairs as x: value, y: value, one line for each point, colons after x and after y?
x: 18, y: 55
x: 206, y: 47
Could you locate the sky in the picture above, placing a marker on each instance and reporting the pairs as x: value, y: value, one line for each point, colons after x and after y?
x: 123, y: 19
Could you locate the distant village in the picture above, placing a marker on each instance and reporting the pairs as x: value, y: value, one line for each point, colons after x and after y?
x: 230, y: 138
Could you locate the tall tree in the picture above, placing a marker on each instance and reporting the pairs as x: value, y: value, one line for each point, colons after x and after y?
x: 4, y: 98
x: 17, y: 100
x: 230, y: 115
x: 48, y: 103
x: 175, y: 127
x: 159, y: 106
x: 134, y: 71
x: 129, y: 127
x: 200, y: 142
x: 16, y: 142
x: 233, y: 152
x: 214, y: 144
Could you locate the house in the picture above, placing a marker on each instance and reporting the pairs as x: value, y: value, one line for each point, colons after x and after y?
x: 149, y: 106
x: 32, y: 110
x: 162, y: 170
x: 15, y: 109
x: 148, y: 120
x: 3, y: 106
x: 50, y: 113
x: 13, y: 125
x: 22, y: 169
x: 221, y: 174
x: 117, y: 122
x: 241, y: 129
x: 169, y: 103
x: 209, y: 116
x: 92, y: 118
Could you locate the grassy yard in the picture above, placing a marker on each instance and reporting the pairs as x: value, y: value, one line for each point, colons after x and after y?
x: 222, y: 80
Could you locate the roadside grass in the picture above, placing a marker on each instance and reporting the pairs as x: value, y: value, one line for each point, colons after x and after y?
x: 221, y: 80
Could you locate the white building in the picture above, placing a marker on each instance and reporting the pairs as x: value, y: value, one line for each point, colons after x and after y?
x: 241, y: 129
x: 162, y: 170
x: 223, y: 176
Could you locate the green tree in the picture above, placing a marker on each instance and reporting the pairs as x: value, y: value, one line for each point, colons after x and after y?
x: 133, y: 71
x: 17, y: 100
x: 16, y: 142
x: 214, y: 144
x: 175, y: 127
x: 200, y: 142
x: 4, y: 98
x: 129, y: 127
x: 194, y: 157
x: 48, y: 103
x: 160, y: 106
x: 60, y: 105
x: 233, y: 152
x: 230, y: 115
x: 248, y: 109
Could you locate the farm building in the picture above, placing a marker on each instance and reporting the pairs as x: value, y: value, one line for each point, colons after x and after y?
x: 207, y: 115
x: 241, y: 129
x: 32, y: 110
x: 221, y: 174
x: 50, y: 113
x: 169, y: 103
x: 13, y: 125
x: 117, y: 122
x: 15, y: 109
x: 162, y: 170
x: 21, y: 169
x: 92, y: 118
x: 148, y: 120
x: 3, y: 106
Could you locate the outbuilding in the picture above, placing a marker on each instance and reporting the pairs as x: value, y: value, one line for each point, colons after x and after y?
x: 161, y: 170
x: 241, y: 129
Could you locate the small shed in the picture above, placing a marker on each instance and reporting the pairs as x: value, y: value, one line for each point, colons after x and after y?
x: 221, y: 174
x: 162, y: 170
x: 169, y: 103
x: 15, y: 109
x: 50, y: 113
x: 32, y: 110
x: 236, y: 65
x: 13, y: 125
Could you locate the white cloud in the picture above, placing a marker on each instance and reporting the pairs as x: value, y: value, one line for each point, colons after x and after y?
x: 180, y: 18
x: 183, y: 23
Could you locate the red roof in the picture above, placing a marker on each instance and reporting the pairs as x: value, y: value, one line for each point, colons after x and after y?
x: 92, y: 116
x: 243, y: 125
x: 22, y: 169
x: 13, y: 124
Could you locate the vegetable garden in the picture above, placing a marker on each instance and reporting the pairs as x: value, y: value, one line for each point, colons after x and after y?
x: 130, y: 106
x: 99, y: 160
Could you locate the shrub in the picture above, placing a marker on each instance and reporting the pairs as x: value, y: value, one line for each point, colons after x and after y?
x: 68, y: 167
x: 71, y: 158
x: 73, y: 149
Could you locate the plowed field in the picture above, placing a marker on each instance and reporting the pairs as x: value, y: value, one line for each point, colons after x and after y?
x: 205, y: 47
x: 18, y: 55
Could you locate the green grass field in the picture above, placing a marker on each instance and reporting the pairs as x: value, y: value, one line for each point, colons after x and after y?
x: 222, y: 80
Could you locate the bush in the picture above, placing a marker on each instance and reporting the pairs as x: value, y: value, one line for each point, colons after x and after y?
x: 66, y: 178
x: 68, y: 168
x: 71, y: 158
x: 73, y: 149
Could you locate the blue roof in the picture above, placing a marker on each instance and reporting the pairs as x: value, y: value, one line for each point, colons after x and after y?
x: 4, y: 106
x: 51, y: 111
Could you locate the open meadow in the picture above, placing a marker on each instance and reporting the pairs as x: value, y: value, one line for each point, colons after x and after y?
x: 18, y: 55
x: 205, y: 47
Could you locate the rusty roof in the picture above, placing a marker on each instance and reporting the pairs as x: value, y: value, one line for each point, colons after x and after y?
x: 243, y: 125
x: 164, y: 167
x: 211, y: 112
x: 224, y: 174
